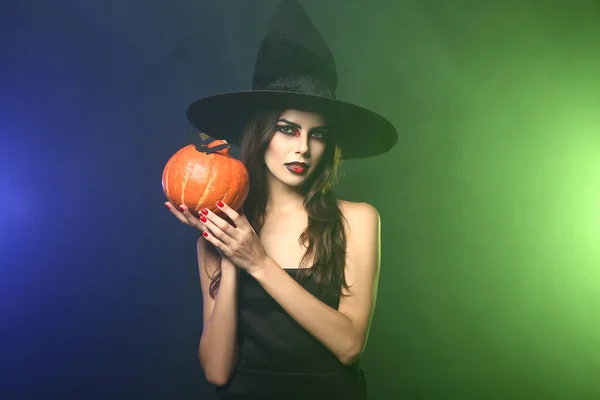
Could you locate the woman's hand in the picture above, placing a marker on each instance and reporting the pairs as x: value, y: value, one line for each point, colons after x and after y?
x: 237, y: 242
x: 187, y: 218
x: 180, y: 216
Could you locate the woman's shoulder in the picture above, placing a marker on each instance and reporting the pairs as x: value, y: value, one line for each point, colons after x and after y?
x: 362, y: 226
x: 358, y: 212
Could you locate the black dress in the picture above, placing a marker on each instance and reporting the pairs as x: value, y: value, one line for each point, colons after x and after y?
x: 278, y: 359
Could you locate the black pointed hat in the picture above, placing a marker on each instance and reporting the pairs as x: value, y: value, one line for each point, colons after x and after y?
x: 295, y: 69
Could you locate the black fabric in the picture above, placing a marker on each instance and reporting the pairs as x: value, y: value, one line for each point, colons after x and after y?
x: 278, y: 359
x: 359, y: 132
x: 293, y: 46
x: 295, y: 69
x: 305, y: 84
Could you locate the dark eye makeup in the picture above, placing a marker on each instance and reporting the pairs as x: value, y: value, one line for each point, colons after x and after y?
x: 286, y: 129
x: 317, y: 133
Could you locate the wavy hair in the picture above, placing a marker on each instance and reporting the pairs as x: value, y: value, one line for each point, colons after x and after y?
x: 324, y: 237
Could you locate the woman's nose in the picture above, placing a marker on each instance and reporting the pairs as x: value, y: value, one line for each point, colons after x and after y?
x: 302, y: 144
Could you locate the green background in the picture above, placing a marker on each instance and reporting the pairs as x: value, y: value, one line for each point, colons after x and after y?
x: 490, y: 202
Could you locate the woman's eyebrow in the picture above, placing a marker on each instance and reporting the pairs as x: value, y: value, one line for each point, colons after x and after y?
x: 290, y: 123
x: 295, y: 125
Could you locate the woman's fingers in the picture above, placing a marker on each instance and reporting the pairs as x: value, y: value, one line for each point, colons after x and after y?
x: 220, y: 246
x: 230, y: 212
x: 215, y: 229
x: 210, y: 231
x: 220, y: 228
x: 190, y: 218
x: 177, y: 213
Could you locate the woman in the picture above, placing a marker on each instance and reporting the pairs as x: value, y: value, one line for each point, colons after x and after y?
x: 289, y: 282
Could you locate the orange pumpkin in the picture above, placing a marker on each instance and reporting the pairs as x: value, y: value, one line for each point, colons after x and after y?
x: 199, y: 176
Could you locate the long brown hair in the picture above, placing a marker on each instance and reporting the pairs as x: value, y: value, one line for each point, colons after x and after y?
x: 324, y: 236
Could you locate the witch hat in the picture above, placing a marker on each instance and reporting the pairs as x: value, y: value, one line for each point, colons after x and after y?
x: 295, y: 69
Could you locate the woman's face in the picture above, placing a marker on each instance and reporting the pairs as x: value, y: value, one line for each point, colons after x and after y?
x: 297, y: 146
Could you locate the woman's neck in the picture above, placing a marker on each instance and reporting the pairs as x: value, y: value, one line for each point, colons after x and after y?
x: 283, y: 198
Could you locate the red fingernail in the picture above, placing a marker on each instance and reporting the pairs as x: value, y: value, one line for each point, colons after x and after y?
x: 181, y: 208
x: 204, y: 211
x: 220, y: 203
x: 167, y: 206
x: 205, y: 234
x: 202, y: 218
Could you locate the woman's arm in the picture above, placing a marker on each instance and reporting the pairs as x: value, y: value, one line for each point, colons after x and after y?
x: 218, y: 345
x: 344, y: 331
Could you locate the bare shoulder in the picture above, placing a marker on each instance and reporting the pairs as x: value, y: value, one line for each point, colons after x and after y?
x: 363, y: 254
x: 359, y: 214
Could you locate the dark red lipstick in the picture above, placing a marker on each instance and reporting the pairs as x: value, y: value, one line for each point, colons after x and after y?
x: 297, y: 167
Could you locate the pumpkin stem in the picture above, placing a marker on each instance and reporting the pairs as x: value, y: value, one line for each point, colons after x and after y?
x: 208, y: 145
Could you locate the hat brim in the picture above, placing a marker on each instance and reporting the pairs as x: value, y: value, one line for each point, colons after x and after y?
x: 359, y: 132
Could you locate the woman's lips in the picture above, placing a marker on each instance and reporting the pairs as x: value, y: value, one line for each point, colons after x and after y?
x: 296, y: 169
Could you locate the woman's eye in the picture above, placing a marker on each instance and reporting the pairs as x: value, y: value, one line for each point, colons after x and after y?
x: 319, y: 134
x: 289, y: 130
x: 285, y: 129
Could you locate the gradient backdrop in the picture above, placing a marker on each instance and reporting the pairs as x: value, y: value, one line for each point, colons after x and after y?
x: 490, y: 203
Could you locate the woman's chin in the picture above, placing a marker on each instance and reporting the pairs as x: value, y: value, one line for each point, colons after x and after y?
x: 296, y: 183
x: 292, y: 180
